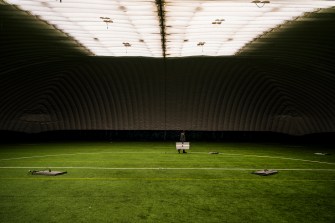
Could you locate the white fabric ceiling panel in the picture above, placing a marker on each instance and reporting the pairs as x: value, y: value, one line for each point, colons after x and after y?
x: 191, y: 27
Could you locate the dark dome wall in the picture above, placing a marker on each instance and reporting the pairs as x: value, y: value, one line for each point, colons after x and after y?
x: 237, y: 95
x: 282, y: 82
x: 86, y: 94
x: 215, y: 94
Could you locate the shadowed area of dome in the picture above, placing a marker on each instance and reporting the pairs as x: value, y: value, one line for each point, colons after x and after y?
x: 281, y: 81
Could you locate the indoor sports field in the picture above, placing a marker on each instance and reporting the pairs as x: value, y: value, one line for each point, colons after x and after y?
x: 151, y: 182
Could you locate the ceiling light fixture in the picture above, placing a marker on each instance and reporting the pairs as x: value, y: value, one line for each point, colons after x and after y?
x: 202, y: 46
x: 217, y: 21
x: 106, y: 20
x: 260, y: 2
x: 126, y: 44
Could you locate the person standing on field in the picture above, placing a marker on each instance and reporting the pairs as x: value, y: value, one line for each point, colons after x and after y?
x: 182, y: 140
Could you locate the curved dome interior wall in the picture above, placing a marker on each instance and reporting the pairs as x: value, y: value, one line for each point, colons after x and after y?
x: 282, y: 81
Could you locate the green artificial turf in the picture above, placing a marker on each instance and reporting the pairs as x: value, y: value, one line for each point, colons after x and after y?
x: 151, y: 182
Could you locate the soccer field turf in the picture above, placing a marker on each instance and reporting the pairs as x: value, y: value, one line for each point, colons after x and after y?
x: 151, y: 182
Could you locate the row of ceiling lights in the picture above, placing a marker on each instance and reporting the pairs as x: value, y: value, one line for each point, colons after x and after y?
x: 242, y: 23
x: 108, y: 20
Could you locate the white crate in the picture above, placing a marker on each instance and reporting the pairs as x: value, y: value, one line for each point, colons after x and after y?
x: 182, y: 145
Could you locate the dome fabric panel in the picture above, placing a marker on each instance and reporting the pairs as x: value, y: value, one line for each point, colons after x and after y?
x: 282, y: 81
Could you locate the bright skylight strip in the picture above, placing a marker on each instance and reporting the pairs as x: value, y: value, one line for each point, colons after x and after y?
x: 130, y: 21
x: 193, y: 31
x: 104, y: 26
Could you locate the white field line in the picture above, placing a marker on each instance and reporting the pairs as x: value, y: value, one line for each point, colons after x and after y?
x: 155, y: 168
x: 73, y: 154
x: 229, y: 154
x: 273, y: 157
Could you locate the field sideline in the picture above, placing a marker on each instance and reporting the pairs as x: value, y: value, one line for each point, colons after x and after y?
x: 151, y: 182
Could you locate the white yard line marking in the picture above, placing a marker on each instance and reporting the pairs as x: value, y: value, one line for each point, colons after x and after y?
x: 229, y: 154
x: 74, y: 154
x: 163, y: 179
x: 286, y: 158
x: 155, y: 168
x: 272, y: 157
